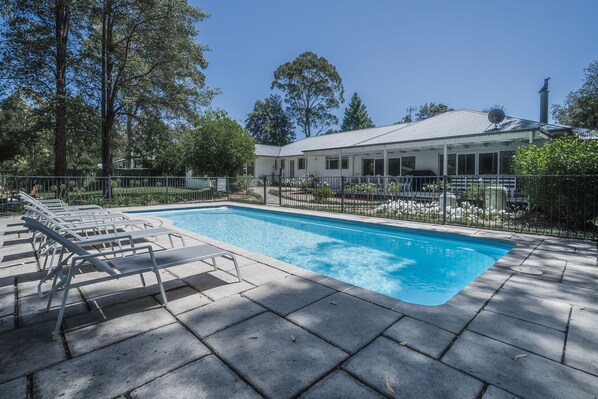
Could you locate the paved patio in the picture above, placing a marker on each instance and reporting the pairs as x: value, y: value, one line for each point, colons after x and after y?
x: 528, y: 327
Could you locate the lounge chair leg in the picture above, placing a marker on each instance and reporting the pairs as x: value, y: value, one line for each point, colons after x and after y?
x: 51, y: 294
x: 171, y: 242
x: 142, y: 280
x: 214, y: 264
x: 182, y: 240
x: 237, y: 267
x: 164, y: 299
x: 67, y: 287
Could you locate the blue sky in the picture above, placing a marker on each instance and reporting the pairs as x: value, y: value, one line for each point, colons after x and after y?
x: 396, y: 54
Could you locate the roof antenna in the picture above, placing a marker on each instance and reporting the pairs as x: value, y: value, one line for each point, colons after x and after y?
x: 410, y: 109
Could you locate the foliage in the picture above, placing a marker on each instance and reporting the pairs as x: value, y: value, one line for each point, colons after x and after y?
x: 580, y: 108
x: 269, y: 123
x: 216, y: 146
x: 169, y: 160
x: 356, y: 115
x: 323, y: 192
x: 495, y: 106
x: 566, y: 199
x: 476, y: 192
x: 431, y: 109
x: 312, y: 89
x: 142, y: 56
x: 432, y: 211
x: 567, y: 155
x: 393, y: 187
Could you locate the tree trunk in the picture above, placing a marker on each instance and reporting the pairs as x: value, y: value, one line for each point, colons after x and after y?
x: 62, y: 30
x: 108, y: 111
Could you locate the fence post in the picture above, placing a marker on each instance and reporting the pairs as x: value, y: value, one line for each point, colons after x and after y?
x: 265, y: 182
x: 342, y: 194
x: 109, y: 191
x: 444, y: 181
x: 227, y: 182
x: 280, y: 188
x: 166, y: 190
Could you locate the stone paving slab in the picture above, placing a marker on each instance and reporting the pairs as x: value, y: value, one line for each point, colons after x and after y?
x: 546, y: 312
x: 15, y: 389
x: 33, y: 309
x: 385, y: 364
x: 118, y: 368
x: 20, y: 268
x: 347, y: 322
x: 207, y: 378
x: 496, y: 393
x: 7, y: 304
x: 190, y: 269
x: 216, y: 316
x: 340, y: 385
x: 561, y: 292
x: 262, y: 350
x: 531, y: 337
x: 289, y: 294
x: 259, y: 274
x: 528, y: 376
x: 217, y: 285
x: 183, y: 299
x: 7, y: 323
x: 28, y: 349
x: 420, y: 336
x: 584, y: 276
x: 99, y: 328
x: 448, y: 317
x: 374, y: 297
x: 582, y: 340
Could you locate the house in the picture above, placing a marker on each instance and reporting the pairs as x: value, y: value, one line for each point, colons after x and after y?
x: 466, y: 139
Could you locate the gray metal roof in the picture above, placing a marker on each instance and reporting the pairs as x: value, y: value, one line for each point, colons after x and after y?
x: 450, y: 124
x: 264, y: 150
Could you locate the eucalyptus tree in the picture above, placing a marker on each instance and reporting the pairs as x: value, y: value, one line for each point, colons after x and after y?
x: 143, y: 55
x: 356, y: 115
x: 580, y: 108
x: 269, y: 122
x: 38, y: 39
x: 431, y: 109
x: 312, y: 88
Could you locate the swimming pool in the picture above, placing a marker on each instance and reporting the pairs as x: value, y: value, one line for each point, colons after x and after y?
x: 411, y: 265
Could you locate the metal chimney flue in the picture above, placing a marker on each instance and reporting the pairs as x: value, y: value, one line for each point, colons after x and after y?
x: 544, y: 102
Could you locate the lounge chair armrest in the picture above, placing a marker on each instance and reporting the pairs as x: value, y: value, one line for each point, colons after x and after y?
x: 116, y: 237
x: 118, y: 251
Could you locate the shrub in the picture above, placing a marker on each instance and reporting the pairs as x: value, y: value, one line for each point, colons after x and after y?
x: 323, y: 192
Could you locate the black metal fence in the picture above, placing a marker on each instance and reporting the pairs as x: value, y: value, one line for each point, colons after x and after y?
x: 559, y: 205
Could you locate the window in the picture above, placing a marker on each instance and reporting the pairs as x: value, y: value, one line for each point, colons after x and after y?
x: 250, y: 170
x: 332, y: 163
x: 451, y: 164
x: 466, y: 164
x: 488, y: 163
x: 506, y: 162
x: 379, y: 167
x: 301, y: 164
x: 407, y: 165
x: 368, y: 167
x: 276, y: 164
x: 282, y: 164
x: 394, y: 166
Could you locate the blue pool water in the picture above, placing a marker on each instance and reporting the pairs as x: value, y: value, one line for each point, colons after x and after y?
x: 411, y: 265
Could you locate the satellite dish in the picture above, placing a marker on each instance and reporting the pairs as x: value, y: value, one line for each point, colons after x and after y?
x: 496, y: 116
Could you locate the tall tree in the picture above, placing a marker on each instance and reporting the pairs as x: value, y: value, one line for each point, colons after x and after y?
x: 217, y: 146
x: 34, y: 52
x: 356, y: 115
x: 312, y: 89
x: 145, y: 54
x: 431, y: 109
x: 580, y: 108
x: 269, y: 123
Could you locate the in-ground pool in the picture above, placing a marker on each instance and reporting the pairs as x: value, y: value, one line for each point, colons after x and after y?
x: 411, y: 265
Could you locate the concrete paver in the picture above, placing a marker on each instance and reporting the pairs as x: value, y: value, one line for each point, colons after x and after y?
x: 525, y: 374
x: 259, y: 274
x: 183, y: 299
x: 118, y: 368
x: 206, y: 378
x: 216, y: 316
x: 531, y: 337
x: 279, y: 366
x: 289, y: 294
x: 420, y: 336
x: 496, y: 393
x: 340, y: 385
x: 388, y: 366
x: 15, y: 389
x: 28, y: 349
x: 582, y: 338
x: 345, y: 321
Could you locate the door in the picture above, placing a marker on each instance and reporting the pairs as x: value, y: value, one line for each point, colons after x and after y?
x: 292, y: 168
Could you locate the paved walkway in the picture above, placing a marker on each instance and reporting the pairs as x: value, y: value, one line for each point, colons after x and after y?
x: 286, y: 332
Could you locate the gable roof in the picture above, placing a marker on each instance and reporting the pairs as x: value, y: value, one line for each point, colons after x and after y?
x: 451, y: 124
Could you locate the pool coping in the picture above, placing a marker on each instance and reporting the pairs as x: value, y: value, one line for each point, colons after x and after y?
x: 479, y: 291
